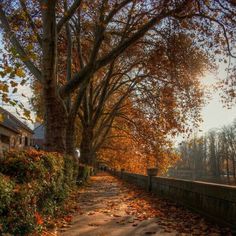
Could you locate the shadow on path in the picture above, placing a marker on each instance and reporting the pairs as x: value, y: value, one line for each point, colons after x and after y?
x: 109, y: 207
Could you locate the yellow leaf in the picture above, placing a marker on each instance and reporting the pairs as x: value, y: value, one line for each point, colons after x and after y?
x: 4, y: 87
x: 29, y: 47
x: 20, y: 72
x: 26, y: 113
x: 13, y: 84
x: 5, y: 98
x: 7, y: 69
x: 23, y: 82
x: 1, y: 117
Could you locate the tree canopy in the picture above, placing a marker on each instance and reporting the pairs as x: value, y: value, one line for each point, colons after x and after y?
x: 90, y: 60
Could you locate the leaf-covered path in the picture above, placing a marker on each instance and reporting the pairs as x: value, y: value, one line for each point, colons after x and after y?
x: 108, y: 207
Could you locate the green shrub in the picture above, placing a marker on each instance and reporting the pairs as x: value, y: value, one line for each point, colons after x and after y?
x: 32, y: 184
x: 72, y: 165
x: 20, y: 218
x: 23, y: 166
x: 6, y: 192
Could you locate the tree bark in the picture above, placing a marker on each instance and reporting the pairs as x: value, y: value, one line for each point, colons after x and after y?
x: 55, y: 122
x: 227, y: 170
x: 55, y: 112
x: 233, y: 167
x: 70, y: 136
x: 87, y: 156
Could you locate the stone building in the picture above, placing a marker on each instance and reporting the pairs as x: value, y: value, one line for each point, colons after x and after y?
x: 39, y: 135
x: 14, y: 134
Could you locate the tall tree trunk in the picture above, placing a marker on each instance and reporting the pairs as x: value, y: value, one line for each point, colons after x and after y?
x: 218, y: 167
x: 55, y: 122
x: 71, y: 129
x: 86, y: 152
x: 70, y: 136
x: 227, y: 169
x: 55, y: 112
x: 233, y: 167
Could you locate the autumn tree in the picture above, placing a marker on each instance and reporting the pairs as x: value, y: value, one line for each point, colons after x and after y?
x: 158, y: 107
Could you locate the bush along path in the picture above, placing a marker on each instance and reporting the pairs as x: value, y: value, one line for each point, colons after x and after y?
x: 34, y: 187
x: 106, y: 206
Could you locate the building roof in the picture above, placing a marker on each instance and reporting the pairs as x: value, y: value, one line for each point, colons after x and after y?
x: 13, y: 123
x: 39, y: 131
x: 8, y: 124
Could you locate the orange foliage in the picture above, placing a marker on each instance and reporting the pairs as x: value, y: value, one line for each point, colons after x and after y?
x: 136, y: 144
x: 166, y: 101
x: 38, y: 218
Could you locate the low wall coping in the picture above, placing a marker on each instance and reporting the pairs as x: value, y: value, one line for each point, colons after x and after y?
x: 220, y: 191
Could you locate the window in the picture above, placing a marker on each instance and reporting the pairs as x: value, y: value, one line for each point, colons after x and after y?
x: 13, y: 142
x: 32, y: 142
x: 26, y: 141
x: 5, y: 139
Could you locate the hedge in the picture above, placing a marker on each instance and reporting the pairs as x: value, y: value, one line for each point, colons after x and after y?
x: 33, y: 184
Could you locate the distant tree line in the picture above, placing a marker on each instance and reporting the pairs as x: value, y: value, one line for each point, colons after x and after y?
x: 210, y: 157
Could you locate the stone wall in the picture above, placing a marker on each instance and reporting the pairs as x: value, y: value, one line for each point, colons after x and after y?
x: 138, y: 180
x: 215, y: 201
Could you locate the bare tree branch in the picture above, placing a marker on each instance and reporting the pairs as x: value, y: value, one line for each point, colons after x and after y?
x: 68, y: 15
x: 81, y: 76
x: 213, y: 20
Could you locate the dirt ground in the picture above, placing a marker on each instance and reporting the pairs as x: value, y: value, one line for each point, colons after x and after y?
x: 108, y: 207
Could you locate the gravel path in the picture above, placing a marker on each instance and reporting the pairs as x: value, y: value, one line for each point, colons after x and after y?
x: 108, y: 207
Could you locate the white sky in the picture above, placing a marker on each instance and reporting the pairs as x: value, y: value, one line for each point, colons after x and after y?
x: 214, y: 114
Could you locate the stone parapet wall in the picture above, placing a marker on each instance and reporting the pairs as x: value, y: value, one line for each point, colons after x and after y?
x: 215, y: 201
